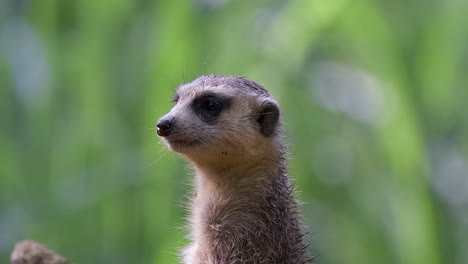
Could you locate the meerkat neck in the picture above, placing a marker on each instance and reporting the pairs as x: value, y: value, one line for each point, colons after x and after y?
x: 245, y: 212
x: 228, y: 181
x: 242, y: 173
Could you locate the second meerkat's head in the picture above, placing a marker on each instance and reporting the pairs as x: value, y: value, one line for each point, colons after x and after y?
x: 221, y: 116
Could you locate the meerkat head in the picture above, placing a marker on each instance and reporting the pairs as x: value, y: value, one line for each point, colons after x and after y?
x: 220, y: 118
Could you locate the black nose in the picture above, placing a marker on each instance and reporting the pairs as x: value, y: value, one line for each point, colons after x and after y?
x: 165, y: 127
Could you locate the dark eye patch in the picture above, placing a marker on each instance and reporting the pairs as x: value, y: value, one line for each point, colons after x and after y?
x: 209, y: 106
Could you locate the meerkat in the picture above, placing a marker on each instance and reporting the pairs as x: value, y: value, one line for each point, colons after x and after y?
x: 244, y: 210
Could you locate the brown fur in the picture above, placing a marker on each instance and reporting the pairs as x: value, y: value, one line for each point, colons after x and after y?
x: 244, y: 210
x: 30, y: 252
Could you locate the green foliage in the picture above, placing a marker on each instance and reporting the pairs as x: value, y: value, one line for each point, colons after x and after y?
x: 373, y: 96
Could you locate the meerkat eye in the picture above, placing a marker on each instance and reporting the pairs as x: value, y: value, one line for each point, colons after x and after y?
x: 212, y: 104
x: 208, y: 107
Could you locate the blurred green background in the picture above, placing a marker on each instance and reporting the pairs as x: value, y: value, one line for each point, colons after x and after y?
x: 374, y: 95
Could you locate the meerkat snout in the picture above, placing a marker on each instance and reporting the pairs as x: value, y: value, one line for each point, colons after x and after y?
x: 164, y: 127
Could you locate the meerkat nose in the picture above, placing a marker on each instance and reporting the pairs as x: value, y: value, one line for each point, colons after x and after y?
x: 165, y: 127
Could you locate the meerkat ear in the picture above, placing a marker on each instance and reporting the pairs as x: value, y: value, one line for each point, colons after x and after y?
x: 268, y: 117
